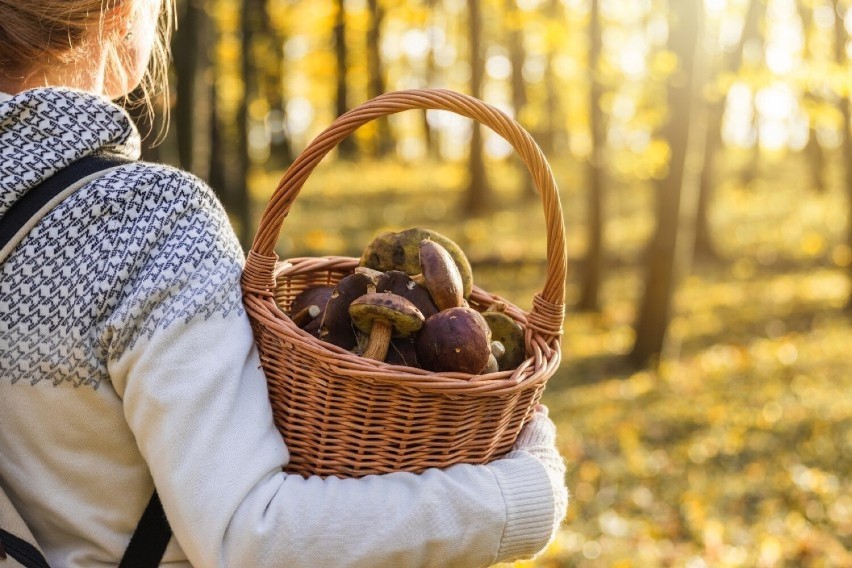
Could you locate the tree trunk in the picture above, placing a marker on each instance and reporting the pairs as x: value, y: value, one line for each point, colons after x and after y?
x: 840, y: 40
x: 662, y: 269
x: 593, y: 265
x: 704, y: 246
x: 346, y: 148
x: 217, y: 174
x: 431, y: 138
x: 384, y: 142
x: 272, y: 81
x: 193, y: 88
x: 813, y: 149
x: 551, y: 103
x: 518, y: 57
x: 252, y: 12
x: 478, y: 191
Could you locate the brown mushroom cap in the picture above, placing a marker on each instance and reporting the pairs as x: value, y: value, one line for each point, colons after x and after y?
x: 491, y: 366
x: 301, y: 306
x: 402, y: 352
x: 384, y: 315
x: 336, y: 327
x: 315, y: 295
x: 456, y: 339
x: 509, y: 333
x: 400, y: 251
x: 401, y: 284
x: 440, y: 275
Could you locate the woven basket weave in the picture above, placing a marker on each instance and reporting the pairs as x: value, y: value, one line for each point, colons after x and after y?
x: 348, y: 416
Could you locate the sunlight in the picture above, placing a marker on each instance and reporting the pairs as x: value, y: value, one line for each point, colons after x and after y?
x: 780, y: 117
x: 300, y: 115
x: 498, y: 67
x: 633, y: 57
x: 716, y: 6
x: 730, y: 30
x: 776, y: 102
x: 824, y: 16
x: 785, y: 39
x: 415, y: 44
x: 737, y: 127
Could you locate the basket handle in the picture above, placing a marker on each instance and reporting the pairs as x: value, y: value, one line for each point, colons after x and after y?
x: 548, y: 311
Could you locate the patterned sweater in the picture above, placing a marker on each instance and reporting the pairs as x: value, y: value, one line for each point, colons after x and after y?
x: 127, y: 361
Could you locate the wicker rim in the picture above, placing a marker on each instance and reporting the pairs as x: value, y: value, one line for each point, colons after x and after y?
x: 547, y: 313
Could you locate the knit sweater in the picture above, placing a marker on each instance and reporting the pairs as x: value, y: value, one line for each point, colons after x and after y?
x: 127, y: 362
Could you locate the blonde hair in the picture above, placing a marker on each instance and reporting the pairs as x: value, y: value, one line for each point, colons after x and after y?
x: 33, y: 32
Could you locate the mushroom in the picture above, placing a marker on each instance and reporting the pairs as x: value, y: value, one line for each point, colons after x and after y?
x: 306, y: 315
x: 383, y: 315
x: 490, y: 366
x: 401, y: 251
x: 336, y: 326
x: 456, y: 339
x: 402, y: 352
x: 308, y: 305
x: 509, y: 333
x: 440, y: 275
x: 497, y: 351
x: 402, y: 284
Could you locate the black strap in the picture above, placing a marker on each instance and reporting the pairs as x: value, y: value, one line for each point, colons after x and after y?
x: 152, y: 534
x: 21, y: 551
x: 37, y: 197
x: 150, y: 539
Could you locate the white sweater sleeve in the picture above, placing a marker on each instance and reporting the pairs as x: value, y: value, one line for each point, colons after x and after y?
x: 195, y: 398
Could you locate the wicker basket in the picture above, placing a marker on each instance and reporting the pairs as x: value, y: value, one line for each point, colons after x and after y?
x: 347, y: 416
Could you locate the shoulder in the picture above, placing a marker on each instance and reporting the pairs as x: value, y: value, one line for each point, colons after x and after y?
x: 168, y: 185
x: 155, y: 197
x: 173, y: 251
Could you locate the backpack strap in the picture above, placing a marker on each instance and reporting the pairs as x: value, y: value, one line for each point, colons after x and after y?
x: 152, y: 534
x: 150, y: 539
x: 23, y: 215
x: 18, y: 548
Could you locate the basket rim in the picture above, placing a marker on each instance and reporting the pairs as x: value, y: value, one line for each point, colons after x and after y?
x: 544, y: 358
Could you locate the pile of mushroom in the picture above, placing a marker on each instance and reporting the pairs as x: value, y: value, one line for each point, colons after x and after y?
x: 406, y: 304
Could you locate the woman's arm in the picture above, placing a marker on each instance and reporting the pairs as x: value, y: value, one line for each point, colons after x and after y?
x: 196, y: 400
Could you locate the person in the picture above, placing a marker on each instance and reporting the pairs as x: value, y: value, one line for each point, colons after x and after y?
x: 127, y: 360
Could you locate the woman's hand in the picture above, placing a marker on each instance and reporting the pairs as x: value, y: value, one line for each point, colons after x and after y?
x: 538, y: 437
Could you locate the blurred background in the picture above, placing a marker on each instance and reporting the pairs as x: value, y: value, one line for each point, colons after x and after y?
x: 702, y: 150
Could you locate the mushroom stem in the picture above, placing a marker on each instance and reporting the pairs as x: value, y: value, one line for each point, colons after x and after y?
x: 380, y: 336
x: 306, y: 314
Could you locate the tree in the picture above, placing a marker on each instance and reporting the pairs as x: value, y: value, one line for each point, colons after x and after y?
x: 193, y: 87
x: 376, y: 84
x: 841, y: 39
x: 252, y: 14
x: 478, y: 191
x: 517, y: 58
x: 346, y: 148
x: 431, y: 138
x: 662, y: 255
x: 704, y: 246
x: 813, y: 149
x: 552, y: 129
x: 271, y: 78
x: 593, y: 273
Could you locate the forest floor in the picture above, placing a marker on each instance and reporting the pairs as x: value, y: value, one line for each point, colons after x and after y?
x: 736, y: 451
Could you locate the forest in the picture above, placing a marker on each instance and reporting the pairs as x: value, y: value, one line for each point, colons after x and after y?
x: 702, y: 153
